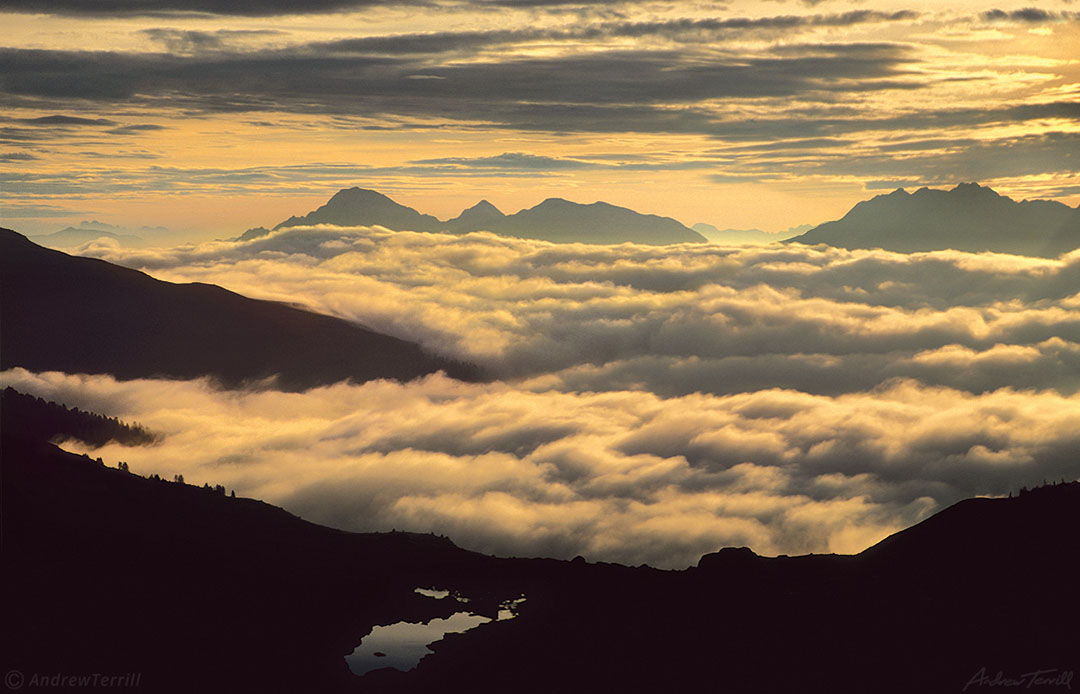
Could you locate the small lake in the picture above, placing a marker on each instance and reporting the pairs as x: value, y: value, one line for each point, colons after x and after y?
x: 403, y: 644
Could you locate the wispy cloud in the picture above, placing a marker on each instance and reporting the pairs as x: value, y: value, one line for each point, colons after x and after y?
x: 743, y: 95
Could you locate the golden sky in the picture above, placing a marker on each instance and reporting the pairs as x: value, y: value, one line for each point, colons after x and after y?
x: 212, y: 116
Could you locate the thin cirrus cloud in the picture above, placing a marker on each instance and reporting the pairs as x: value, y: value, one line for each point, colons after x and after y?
x: 655, y: 403
x: 1032, y: 15
x: 643, y: 91
x: 739, y: 96
x: 287, y: 78
x: 270, y: 8
x: 248, y: 8
x: 679, y: 30
x: 924, y: 162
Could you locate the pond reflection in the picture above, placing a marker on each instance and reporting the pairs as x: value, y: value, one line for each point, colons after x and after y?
x: 403, y: 644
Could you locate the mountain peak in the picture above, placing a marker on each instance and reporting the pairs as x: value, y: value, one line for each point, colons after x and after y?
x: 483, y: 216
x: 556, y: 220
x: 356, y: 194
x: 365, y: 207
x: 557, y: 202
x: 975, y: 191
x: 970, y: 217
x: 484, y: 206
x: 561, y: 220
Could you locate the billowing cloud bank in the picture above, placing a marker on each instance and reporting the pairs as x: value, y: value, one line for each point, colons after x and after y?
x: 657, y: 403
x: 674, y: 319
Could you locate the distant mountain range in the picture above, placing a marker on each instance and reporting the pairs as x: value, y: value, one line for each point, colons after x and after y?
x: 969, y: 217
x: 110, y: 572
x: 747, y: 237
x: 555, y: 220
x: 91, y: 230
x: 77, y: 236
x: 83, y: 315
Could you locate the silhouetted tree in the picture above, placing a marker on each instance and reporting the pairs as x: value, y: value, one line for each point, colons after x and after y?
x: 42, y: 420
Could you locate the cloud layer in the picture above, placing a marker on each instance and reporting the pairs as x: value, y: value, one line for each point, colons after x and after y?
x: 624, y: 476
x: 657, y: 403
x: 675, y: 319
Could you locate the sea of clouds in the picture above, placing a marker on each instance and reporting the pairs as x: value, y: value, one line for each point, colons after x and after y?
x: 651, y: 403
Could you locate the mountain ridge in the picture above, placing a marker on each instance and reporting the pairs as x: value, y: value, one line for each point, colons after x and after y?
x: 84, y: 315
x: 555, y: 219
x: 969, y: 217
x: 76, y: 236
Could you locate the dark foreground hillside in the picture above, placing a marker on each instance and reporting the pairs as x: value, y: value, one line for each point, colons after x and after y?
x: 82, y: 315
x: 109, y: 572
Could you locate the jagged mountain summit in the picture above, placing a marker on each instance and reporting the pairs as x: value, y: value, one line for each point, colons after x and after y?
x: 969, y: 217
x: 555, y: 220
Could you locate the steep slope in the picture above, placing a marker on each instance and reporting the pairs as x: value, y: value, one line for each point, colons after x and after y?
x: 83, y: 315
x: 969, y: 217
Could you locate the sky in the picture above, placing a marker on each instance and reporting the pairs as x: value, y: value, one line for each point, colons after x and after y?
x: 208, y: 117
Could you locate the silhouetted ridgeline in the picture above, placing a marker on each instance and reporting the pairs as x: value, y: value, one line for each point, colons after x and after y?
x: 969, y: 217
x: 555, y: 220
x: 82, y: 315
x: 42, y: 420
x: 110, y: 572
x: 986, y: 586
